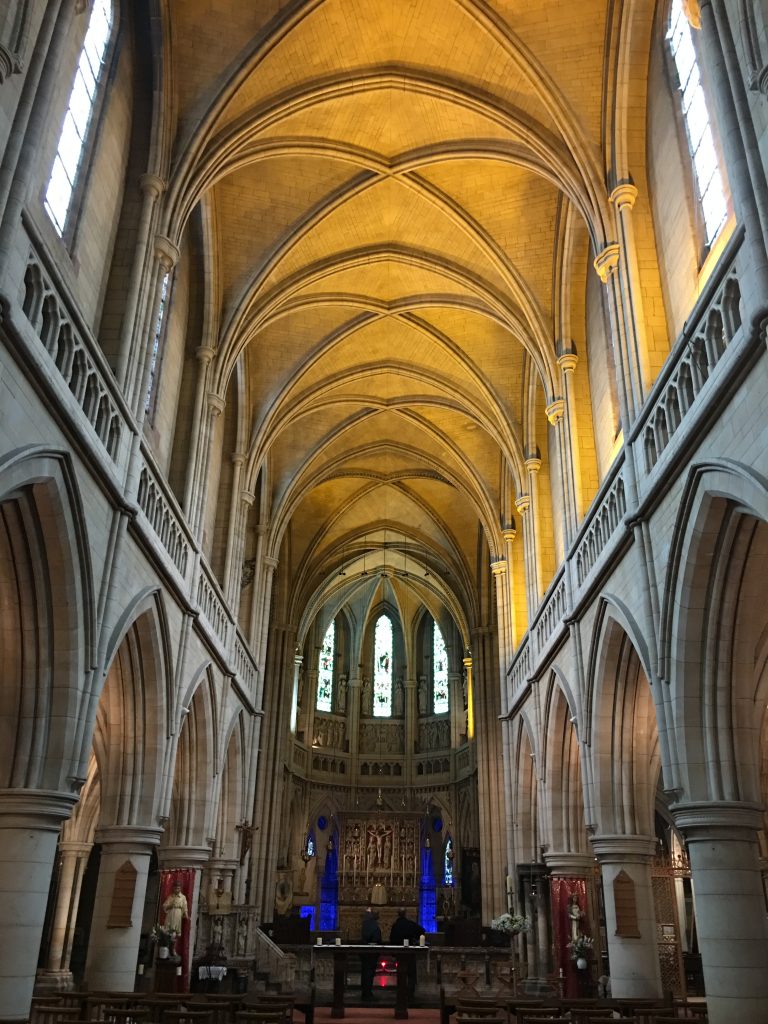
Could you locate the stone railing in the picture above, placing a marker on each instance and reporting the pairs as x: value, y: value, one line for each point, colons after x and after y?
x: 245, y: 666
x: 603, y: 519
x: 333, y: 764
x: 551, y: 612
x: 708, y: 334
x: 212, y: 606
x: 166, y: 522
x: 519, y: 670
x: 273, y: 963
x: 433, y: 766
x: 74, y: 357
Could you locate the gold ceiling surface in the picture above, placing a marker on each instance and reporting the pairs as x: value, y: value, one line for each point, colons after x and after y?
x: 386, y: 188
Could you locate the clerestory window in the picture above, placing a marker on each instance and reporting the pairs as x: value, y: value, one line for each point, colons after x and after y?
x: 440, y: 702
x: 701, y: 143
x: 325, y: 670
x: 382, y: 668
x: 68, y: 161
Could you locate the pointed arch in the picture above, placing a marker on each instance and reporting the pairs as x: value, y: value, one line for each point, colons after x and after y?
x: 622, y: 724
x: 47, y: 647
x: 712, y: 650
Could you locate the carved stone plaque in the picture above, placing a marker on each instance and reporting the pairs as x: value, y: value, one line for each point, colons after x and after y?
x: 625, y: 903
x: 123, y: 891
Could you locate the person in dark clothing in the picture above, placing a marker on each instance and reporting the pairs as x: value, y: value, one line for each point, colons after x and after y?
x: 370, y: 933
x: 403, y: 929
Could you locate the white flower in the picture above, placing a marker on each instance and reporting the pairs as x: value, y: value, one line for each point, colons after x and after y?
x: 510, y: 924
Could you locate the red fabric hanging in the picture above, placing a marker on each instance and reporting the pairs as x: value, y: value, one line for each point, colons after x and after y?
x: 561, y: 891
x: 187, y: 878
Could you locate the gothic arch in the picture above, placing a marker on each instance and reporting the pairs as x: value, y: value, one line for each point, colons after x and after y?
x: 562, y: 772
x: 47, y: 645
x: 624, y: 736
x: 713, y: 651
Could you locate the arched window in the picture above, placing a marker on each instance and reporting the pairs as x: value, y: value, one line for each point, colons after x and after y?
x: 382, y: 668
x: 709, y: 180
x: 156, y: 341
x: 439, y: 673
x: 325, y: 670
x: 448, y: 857
x: 69, y: 153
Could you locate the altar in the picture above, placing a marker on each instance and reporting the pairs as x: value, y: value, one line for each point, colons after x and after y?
x: 380, y: 864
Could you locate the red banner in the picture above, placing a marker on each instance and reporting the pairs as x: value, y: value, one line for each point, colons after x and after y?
x: 562, y: 890
x: 171, y: 908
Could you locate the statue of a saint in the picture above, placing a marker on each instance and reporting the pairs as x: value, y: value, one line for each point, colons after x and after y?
x: 423, y: 695
x: 175, y: 909
x: 342, y: 696
x: 575, y: 914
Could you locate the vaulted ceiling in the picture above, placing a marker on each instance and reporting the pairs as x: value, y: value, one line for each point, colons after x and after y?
x: 387, y: 187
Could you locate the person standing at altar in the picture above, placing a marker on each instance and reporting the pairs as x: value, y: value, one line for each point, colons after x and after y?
x: 370, y: 934
x: 404, y: 930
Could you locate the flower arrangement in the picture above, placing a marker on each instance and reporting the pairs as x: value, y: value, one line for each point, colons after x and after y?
x: 163, y: 937
x: 580, y: 947
x: 510, y: 924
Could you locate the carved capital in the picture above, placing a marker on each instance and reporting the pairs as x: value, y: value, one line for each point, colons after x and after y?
x: 523, y: 503
x: 533, y: 464
x: 205, y: 354
x: 247, y: 497
x: 555, y: 412
x: 151, y: 185
x: 607, y: 261
x: 167, y: 252
x: 624, y: 196
x: 509, y: 533
x: 216, y: 403
x: 499, y: 567
x: 238, y: 458
x: 568, y: 362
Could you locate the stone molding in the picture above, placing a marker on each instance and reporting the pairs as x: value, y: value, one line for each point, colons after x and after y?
x: 620, y: 849
x: 718, y: 820
x: 138, y: 839
x: 41, y: 809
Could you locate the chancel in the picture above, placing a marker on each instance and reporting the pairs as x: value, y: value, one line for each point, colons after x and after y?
x: 383, y: 504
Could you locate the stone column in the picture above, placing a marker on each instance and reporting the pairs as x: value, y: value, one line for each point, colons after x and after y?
x: 624, y: 197
x: 508, y: 534
x: 165, y: 259
x: 567, y: 363
x: 625, y: 863
x: 113, y: 951
x: 29, y: 829
x: 74, y: 858
x: 238, y: 510
x: 204, y: 356
x: 606, y: 263
x: 411, y: 728
x: 456, y: 699
x: 353, y: 722
x: 499, y: 573
x: 730, y: 907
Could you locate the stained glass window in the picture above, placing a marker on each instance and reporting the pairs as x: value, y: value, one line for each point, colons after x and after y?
x: 448, y: 862
x: 709, y: 181
x: 382, y: 668
x: 69, y: 154
x: 156, y: 342
x: 439, y: 672
x: 325, y: 670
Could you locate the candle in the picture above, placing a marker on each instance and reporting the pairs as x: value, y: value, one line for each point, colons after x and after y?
x: 178, y: 972
x: 319, y: 940
x: 141, y: 968
x: 422, y: 940
x: 338, y: 941
x: 406, y: 942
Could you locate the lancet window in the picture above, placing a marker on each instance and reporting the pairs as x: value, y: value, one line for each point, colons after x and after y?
x: 325, y: 670
x: 77, y: 120
x: 701, y: 143
x: 382, y: 668
x: 440, y: 700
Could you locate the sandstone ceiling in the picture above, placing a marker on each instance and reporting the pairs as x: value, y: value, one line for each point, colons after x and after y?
x: 385, y: 186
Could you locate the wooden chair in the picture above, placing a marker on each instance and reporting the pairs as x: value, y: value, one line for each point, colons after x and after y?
x: 120, y: 1015
x: 186, y: 1016
x: 53, y: 1013
x: 528, y: 1019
